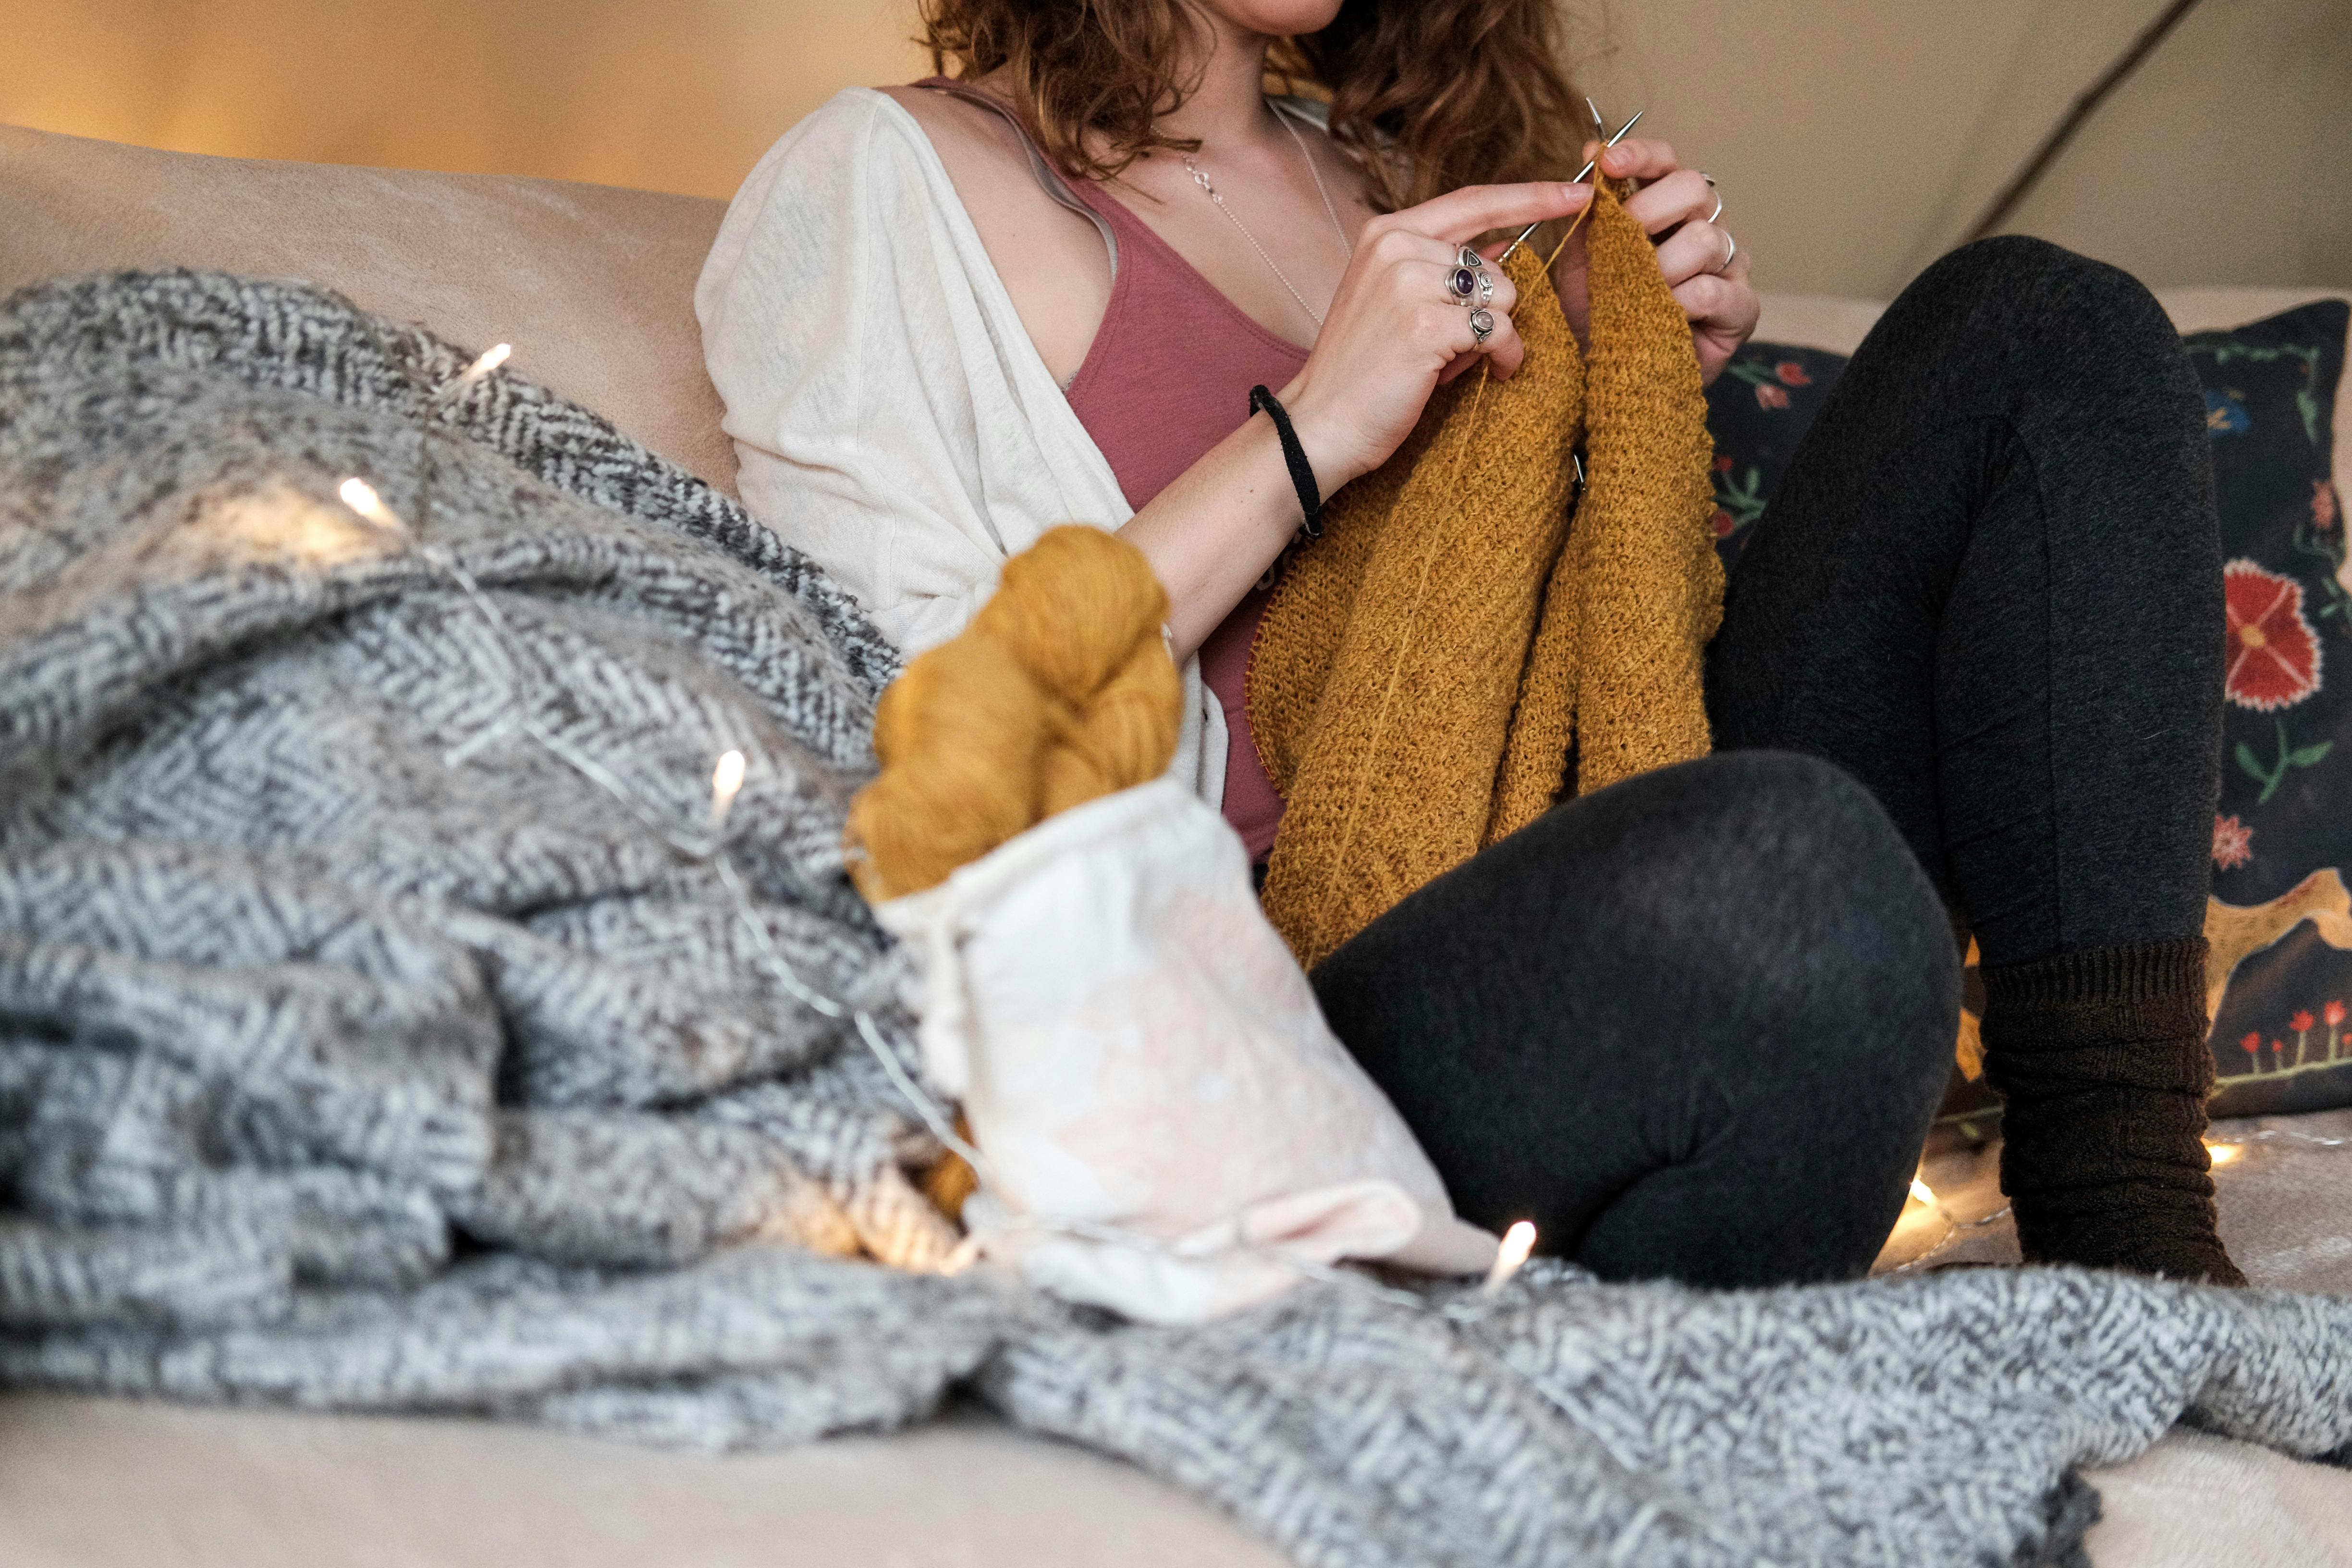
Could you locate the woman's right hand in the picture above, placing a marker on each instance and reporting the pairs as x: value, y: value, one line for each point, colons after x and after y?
x: 1394, y: 332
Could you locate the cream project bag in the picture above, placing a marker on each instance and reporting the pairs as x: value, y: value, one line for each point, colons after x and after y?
x: 1167, y: 1127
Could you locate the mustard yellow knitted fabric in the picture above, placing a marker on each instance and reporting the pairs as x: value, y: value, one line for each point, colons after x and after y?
x: 1424, y: 669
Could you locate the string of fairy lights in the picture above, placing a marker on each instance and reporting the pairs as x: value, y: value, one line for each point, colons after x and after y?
x: 517, y: 717
x: 727, y: 782
x: 709, y: 847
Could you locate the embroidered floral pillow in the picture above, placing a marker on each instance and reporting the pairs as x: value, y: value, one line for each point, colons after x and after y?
x: 2280, y: 919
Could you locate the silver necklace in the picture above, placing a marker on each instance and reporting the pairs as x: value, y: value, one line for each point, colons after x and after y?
x: 1330, y: 211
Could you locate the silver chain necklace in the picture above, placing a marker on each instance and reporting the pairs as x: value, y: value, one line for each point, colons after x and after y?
x: 1330, y: 211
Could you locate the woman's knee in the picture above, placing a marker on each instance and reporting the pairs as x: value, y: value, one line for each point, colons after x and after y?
x: 1834, y: 933
x: 1791, y: 827
x: 2044, y: 297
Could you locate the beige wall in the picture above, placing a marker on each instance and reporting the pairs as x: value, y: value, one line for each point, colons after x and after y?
x: 1856, y: 138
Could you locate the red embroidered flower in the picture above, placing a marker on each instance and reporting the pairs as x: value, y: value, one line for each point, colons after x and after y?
x: 1771, y: 396
x: 2251, y: 1044
x: 1723, y: 462
x: 2273, y: 654
x: 1723, y: 524
x: 2234, y: 842
x: 2301, y: 1021
x: 2323, y: 505
x: 1791, y: 373
x: 2333, y: 1013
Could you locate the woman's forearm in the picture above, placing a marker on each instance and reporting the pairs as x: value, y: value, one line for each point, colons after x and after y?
x: 1212, y: 532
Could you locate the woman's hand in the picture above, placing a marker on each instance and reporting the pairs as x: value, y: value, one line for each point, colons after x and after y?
x: 1394, y: 332
x: 1707, y: 271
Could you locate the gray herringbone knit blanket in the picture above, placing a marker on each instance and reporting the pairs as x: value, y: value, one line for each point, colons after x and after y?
x: 357, y: 1052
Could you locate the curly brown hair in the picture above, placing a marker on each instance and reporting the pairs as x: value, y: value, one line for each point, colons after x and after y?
x: 1427, y: 95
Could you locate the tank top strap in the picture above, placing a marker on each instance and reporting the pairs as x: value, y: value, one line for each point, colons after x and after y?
x: 1049, y: 178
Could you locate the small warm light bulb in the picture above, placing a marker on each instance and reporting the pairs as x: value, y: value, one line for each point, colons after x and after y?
x: 2222, y: 1153
x: 1922, y: 1192
x: 495, y: 356
x: 360, y: 497
x: 726, y: 783
x: 1512, y: 1255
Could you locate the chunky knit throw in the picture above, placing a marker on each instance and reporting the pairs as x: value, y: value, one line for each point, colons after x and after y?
x: 1423, y: 671
x: 355, y: 1052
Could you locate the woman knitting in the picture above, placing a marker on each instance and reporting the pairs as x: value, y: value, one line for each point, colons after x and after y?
x: 1693, y: 1018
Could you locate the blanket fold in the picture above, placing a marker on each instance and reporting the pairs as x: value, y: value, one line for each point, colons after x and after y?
x: 358, y: 1053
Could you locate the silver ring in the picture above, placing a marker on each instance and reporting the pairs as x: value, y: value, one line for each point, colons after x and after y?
x: 1460, y: 284
x: 1486, y: 286
x: 1731, y: 250
x: 1718, y: 204
x: 1469, y: 255
x: 1482, y: 326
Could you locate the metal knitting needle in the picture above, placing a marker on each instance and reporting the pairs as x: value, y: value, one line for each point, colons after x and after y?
x: 1579, y: 175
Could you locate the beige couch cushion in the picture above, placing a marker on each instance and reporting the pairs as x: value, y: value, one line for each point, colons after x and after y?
x: 594, y: 287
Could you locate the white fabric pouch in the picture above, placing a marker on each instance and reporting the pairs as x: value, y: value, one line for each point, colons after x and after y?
x: 1136, y: 1051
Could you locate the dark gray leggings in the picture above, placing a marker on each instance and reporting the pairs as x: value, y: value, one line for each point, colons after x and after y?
x: 1694, y: 1025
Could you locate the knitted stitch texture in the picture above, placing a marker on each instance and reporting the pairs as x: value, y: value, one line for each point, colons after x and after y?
x: 356, y: 1053
x: 1423, y: 671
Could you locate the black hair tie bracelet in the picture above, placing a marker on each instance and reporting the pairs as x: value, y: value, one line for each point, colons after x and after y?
x: 1294, y: 458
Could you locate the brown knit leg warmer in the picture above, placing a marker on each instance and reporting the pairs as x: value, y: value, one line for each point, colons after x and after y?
x: 2100, y: 1057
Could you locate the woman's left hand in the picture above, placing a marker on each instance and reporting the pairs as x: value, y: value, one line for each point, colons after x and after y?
x: 1705, y: 267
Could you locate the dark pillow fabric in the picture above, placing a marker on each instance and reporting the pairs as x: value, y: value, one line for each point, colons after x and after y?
x: 2281, y: 918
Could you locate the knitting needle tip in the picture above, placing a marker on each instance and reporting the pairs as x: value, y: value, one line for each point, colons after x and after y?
x: 1580, y: 175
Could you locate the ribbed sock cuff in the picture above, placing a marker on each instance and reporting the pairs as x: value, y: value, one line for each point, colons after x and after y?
x: 2141, y: 973
x: 2098, y: 1017
x: 2100, y: 1058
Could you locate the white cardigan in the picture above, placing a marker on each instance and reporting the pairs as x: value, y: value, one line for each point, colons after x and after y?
x: 892, y: 419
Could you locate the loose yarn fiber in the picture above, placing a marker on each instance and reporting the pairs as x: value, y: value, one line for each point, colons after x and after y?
x: 1061, y: 690
x: 1425, y: 673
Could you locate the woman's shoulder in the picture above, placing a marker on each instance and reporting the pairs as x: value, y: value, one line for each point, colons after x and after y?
x: 858, y: 134
x: 892, y: 145
x: 851, y: 173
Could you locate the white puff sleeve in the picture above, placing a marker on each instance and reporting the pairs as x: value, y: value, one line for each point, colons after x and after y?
x: 890, y: 417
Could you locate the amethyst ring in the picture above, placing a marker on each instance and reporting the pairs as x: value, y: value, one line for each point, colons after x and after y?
x: 1470, y: 277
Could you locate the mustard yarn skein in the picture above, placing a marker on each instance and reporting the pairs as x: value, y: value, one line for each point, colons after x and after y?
x: 1061, y: 690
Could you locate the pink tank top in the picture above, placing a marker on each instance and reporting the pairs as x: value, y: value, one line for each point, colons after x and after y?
x: 1167, y: 377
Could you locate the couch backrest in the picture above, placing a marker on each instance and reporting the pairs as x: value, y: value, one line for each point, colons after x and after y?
x: 594, y: 286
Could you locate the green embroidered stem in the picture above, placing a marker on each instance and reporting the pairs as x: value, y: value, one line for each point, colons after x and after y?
x: 2289, y: 757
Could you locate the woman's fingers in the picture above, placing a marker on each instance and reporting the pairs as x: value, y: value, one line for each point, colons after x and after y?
x: 1507, y: 351
x: 1723, y: 309
x: 1679, y: 197
x: 1507, y: 293
x: 1504, y: 351
x: 1460, y: 216
x: 1695, y: 249
x: 1637, y: 158
x: 1713, y: 298
x: 1421, y: 269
